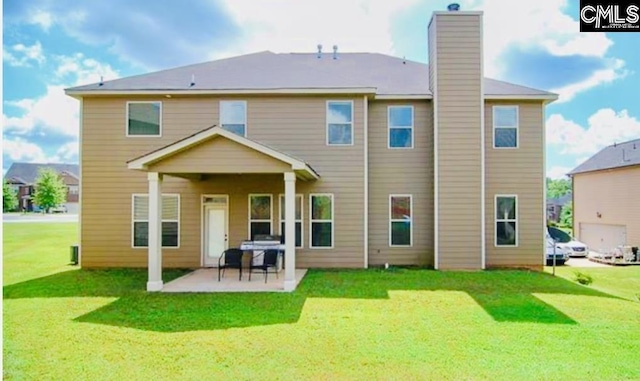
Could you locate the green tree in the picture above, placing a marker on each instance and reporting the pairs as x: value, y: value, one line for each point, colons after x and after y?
x: 50, y: 190
x: 566, y: 216
x: 558, y: 188
x: 9, y: 198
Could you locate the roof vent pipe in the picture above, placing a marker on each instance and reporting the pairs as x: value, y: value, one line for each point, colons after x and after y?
x: 101, y: 81
x: 193, y: 80
x: 335, y: 52
x: 319, y: 50
x: 453, y: 7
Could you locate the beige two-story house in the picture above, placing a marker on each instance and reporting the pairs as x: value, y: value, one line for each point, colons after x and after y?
x: 358, y: 159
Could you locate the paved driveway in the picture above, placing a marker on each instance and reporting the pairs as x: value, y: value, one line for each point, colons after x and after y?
x: 34, y: 217
x: 583, y: 262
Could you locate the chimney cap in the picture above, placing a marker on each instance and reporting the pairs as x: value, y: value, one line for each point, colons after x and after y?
x: 453, y: 7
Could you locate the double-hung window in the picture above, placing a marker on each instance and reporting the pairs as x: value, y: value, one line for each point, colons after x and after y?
x: 505, y: 126
x: 233, y: 116
x: 339, y: 123
x: 144, y: 119
x: 298, y: 218
x: 400, y: 220
x: 321, y: 206
x: 259, y: 215
x: 506, y: 220
x: 400, y: 122
x: 170, y: 220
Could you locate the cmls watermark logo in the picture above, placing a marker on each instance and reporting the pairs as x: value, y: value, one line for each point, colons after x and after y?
x: 609, y: 16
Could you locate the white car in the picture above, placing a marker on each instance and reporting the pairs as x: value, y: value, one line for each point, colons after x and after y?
x: 575, y: 247
x: 557, y: 248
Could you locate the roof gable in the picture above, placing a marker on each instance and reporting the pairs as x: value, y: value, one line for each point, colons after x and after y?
x: 151, y: 159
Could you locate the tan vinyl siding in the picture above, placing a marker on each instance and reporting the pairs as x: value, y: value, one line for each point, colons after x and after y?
x: 220, y: 155
x: 293, y: 125
x: 458, y: 56
x: 612, y: 193
x: 401, y: 171
x: 518, y: 172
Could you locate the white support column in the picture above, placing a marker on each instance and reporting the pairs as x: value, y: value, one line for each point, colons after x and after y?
x: 155, y: 232
x: 290, y: 231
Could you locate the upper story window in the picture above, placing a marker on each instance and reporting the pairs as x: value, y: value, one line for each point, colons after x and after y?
x: 400, y: 122
x: 144, y: 118
x: 233, y: 116
x: 505, y: 126
x: 73, y: 189
x: 339, y: 123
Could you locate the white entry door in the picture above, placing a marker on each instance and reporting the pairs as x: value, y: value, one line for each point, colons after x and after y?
x: 215, y: 233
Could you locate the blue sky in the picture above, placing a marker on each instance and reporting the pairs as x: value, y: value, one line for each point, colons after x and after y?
x: 52, y: 44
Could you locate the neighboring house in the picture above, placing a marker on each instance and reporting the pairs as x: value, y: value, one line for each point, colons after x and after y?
x: 22, y: 177
x: 361, y: 159
x: 554, y: 207
x: 606, y: 197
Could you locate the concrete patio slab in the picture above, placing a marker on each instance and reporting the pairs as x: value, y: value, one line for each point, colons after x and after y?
x: 206, y: 280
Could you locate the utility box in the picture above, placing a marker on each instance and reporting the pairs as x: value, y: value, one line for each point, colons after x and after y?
x: 74, y: 254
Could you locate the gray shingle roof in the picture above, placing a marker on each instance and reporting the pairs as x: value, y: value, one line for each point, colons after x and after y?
x: 269, y: 71
x: 614, y: 156
x: 28, y: 172
x: 562, y: 200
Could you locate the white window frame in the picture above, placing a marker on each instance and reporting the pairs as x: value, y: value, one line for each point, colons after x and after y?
x: 391, y: 220
x: 389, y: 127
x: 133, y: 220
x: 126, y: 120
x: 270, y: 220
x: 74, y: 189
x: 353, y: 117
x: 246, y: 122
x: 332, y: 221
x: 496, y: 219
x: 280, y: 207
x: 516, y: 127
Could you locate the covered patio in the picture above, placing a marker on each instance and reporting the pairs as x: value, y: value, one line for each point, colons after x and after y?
x: 216, y: 151
x: 206, y: 280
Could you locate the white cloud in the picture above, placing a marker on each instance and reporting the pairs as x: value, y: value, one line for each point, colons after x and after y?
x: 67, y: 153
x: 23, y: 55
x: 42, y: 19
x: 558, y: 172
x: 54, y: 111
x: 599, y: 77
x: 78, y: 70
x: 533, y: 25
x: 20, y: 150
x: 605, y: 127
x: 296, y: 26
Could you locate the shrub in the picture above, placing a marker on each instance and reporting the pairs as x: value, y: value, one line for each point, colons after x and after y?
x: 582, y: 278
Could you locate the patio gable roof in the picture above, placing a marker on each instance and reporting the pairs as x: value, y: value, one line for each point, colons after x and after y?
x: 216, y: 150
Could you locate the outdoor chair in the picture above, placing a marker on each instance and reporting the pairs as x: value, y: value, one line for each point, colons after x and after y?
x: 269, y: 261
x: 232, y: 259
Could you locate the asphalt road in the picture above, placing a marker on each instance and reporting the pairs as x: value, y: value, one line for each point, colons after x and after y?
x: 34, y: 217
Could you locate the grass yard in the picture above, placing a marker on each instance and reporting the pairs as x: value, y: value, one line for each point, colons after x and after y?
x: 61, y: 323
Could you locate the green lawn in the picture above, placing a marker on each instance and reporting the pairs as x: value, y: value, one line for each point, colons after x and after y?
x: 61, y: 323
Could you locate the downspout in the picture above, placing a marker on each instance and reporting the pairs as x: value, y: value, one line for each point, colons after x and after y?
x: 366, y: 181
